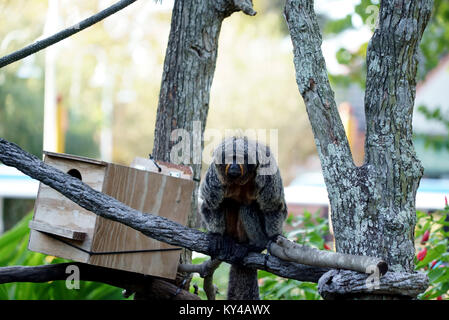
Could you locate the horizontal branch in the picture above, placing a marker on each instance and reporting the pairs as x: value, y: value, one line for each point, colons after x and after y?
x: 44, y: 43
x: 290, y: 251
x: 153, y: 226
x: 344, y: 283
x: 134, y: 282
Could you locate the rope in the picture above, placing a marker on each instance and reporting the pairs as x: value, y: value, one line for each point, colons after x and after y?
x: 61, y: 35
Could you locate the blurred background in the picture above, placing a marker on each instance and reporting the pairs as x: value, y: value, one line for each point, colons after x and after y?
x: 95, y: 94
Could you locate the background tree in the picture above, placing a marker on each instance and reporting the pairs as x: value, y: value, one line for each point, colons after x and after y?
x: 373, y: 206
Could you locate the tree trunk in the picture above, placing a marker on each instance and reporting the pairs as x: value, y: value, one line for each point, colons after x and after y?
x: 372, y: 206
x: 189, y: 68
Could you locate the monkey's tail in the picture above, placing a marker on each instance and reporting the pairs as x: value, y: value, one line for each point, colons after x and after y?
x: 243, y: 283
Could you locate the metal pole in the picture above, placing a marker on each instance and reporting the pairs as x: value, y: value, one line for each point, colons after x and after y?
x: 50, y: 113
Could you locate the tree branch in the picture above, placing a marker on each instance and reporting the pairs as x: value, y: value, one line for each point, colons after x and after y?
x: 290, y: 251
x: 206, y: 270
x: 313, y: 83
x: 146, y: 286
x: 337, y: 284
x: 391, y: 78
x: 61, y: 35
x: 156, y: 227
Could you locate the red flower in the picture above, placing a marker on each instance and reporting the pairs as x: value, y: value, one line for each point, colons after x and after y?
x: 445, y: 201
x: 422, y: 254
x: 440, y: 298
x: 326, y: 247
x: 425, y: 236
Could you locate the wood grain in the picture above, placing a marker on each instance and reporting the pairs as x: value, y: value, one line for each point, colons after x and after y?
x: 147, y: 192
x: 54, y: 208
x: 58, y: 231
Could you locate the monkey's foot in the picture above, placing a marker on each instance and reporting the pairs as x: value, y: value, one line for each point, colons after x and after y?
x: 225, y: 248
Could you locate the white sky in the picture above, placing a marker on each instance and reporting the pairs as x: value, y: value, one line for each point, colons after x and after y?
x: 350, y: 39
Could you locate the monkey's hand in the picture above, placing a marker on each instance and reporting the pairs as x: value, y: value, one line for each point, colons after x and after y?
x: 225, y: 248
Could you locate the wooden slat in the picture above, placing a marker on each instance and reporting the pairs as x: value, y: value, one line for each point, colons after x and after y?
x: 57, y: 210
x: 147, y: 192
x: 167, y: 168
x: 75, y: 157
x: 58, y: 231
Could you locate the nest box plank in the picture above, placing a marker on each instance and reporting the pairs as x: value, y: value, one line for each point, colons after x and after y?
x: 60, y: 226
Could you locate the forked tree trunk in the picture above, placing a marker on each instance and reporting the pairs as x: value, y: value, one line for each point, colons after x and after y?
x: 189, y: 68
x: 373, y: 206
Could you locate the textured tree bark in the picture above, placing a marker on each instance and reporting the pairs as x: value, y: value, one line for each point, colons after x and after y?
x: 147, y: 287
x: 344, y: 284
x: 373, y: 206
x: 189, y: 68
x: 291, y: 251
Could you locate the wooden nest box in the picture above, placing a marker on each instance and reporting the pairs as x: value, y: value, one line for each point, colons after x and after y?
x: 62, y: 228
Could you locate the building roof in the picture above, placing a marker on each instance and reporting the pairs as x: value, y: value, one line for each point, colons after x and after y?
x: 433, y: 93
x: 15, y: 184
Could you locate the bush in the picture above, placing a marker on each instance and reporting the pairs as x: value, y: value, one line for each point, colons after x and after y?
x: 432, y: 252
x: 13, y: 251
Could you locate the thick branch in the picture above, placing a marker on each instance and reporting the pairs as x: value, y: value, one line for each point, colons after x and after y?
x: 313, y: 82
x: 337, y: 284
x: 134, y: 282
x: 290, y: 251
x: 391, y: 78
x: 156, y: 227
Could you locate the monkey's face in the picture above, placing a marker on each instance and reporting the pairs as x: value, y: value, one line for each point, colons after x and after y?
x: 235, y: 161
x: 236, y: 173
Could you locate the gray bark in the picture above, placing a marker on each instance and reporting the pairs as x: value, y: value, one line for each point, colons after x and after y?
x: 290, y: 251
x: 147, y: 287
x: 189, y: 68
x: 337, y: 284
x: 372, y: 206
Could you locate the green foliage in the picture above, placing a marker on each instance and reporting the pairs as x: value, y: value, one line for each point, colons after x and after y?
x: 21, y: 111
x: 13, y: 251
x: 339, y: 25
x: 434, y: 44
x: 437, y: 142
x: 433, y: 255
x: 310, y: 229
